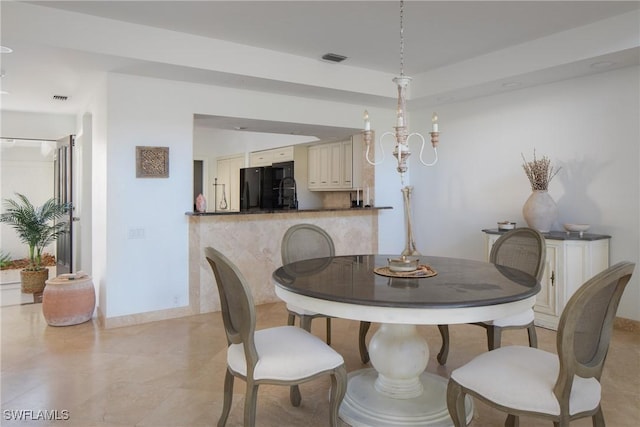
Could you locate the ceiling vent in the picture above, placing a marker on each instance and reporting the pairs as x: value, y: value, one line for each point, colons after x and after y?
x: 333, y: 57
x: 60, y: 97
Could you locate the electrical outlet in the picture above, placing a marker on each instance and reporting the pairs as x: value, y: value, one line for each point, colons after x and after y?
x: 136, y: 233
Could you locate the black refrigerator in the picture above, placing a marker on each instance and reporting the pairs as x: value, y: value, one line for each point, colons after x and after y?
x: 256, y: 188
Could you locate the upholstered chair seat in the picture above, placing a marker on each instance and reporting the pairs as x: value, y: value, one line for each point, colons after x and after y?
x: 518, y: 365
x: 286, y: 353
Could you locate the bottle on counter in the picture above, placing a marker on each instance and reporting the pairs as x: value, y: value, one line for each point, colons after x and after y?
x: 201, y: 203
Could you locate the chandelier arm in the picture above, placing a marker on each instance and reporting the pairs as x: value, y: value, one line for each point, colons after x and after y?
x: 369, y: 160
x: 435, y: 150
x: 381, y: 149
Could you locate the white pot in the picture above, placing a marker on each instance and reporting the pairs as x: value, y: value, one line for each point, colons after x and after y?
x: 540, y: 211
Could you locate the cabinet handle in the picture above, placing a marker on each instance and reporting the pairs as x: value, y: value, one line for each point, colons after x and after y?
x: 553, y: 278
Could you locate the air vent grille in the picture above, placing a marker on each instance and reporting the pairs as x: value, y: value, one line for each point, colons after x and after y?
x: 333, y: 57
x: 60, y: 97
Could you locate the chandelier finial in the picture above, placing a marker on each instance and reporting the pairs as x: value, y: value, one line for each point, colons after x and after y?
x: 401, y: 38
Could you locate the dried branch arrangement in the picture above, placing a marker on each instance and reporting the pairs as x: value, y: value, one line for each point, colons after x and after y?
x: 539, y: 171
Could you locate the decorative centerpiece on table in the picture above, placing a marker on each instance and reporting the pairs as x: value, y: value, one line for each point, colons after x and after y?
x: 540, y: 210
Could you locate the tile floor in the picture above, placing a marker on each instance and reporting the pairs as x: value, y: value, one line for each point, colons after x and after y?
x: 170, y: 373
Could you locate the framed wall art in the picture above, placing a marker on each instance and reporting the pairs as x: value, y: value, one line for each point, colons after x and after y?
x: 152, y: 162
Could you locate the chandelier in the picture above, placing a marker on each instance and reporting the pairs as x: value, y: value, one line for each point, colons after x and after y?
x: 402, y: 135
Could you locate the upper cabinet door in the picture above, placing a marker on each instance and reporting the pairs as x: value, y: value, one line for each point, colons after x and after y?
x: 335, y: 166
x: 346, y: 170
x: 260, y: 158
x: 313, y: 167
x: 323, y: 166
x: 332, y: 168
x: 268, y: 157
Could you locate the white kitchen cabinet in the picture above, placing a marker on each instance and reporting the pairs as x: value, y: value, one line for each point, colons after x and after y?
x: 571, y: 261
x: 313, y: 169
x: 268, y: 157
x: 334, y: 166
x: 228, y: 174
x: 346, y: 169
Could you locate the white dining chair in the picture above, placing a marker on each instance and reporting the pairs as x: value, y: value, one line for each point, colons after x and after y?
x: 301, y: 242
x: 306, y: 241
x: 526, y: 381
x: 523, y: 249
x: 285, y: 355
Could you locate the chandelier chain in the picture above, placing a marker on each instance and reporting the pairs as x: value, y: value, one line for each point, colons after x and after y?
x: 401, y: 38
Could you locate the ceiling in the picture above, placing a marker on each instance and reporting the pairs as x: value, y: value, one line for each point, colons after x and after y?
x: 455, y: 50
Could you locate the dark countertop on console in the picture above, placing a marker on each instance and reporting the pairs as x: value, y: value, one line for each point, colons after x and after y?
x: 291, y: 211
x: 558, y: 235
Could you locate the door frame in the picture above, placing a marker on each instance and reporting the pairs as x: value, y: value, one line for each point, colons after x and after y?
x: 63, y: 191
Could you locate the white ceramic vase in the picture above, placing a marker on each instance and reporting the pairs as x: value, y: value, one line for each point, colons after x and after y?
x: 540, y: 211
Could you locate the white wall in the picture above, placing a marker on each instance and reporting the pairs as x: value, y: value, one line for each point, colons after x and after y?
x: 98, y: 182
x: 588, y: 126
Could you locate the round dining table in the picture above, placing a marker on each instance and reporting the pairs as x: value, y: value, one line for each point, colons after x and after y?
x: 397, y: 391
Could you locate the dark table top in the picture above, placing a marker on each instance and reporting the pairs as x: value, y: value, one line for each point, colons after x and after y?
x: 458, y: 283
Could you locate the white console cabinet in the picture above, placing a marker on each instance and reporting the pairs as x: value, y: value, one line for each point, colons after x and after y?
x: 571, y: 261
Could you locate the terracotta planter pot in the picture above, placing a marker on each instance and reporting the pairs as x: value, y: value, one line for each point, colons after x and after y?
x: 33, y: 282
x: 68, y: 302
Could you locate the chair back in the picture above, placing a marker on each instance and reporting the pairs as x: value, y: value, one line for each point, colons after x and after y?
x: 306, y: 241
x: 586, y: 325
x: 523, y: 249
x: 238, y: 311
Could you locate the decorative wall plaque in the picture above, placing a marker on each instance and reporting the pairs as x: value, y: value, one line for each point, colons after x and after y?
x: 152, y: 162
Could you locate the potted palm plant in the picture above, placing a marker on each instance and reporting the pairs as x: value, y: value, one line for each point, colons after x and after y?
x: 36, y: 227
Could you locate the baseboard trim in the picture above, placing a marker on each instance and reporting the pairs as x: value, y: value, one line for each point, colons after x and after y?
x: 628, y: 325
x: 140, y: 318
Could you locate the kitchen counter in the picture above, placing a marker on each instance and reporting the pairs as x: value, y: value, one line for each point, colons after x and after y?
x: 287, y: 211
x: 251, y: 240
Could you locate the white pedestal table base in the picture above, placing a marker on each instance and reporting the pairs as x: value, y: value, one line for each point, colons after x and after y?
x: 397, y: 391
x: 362, y: 406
